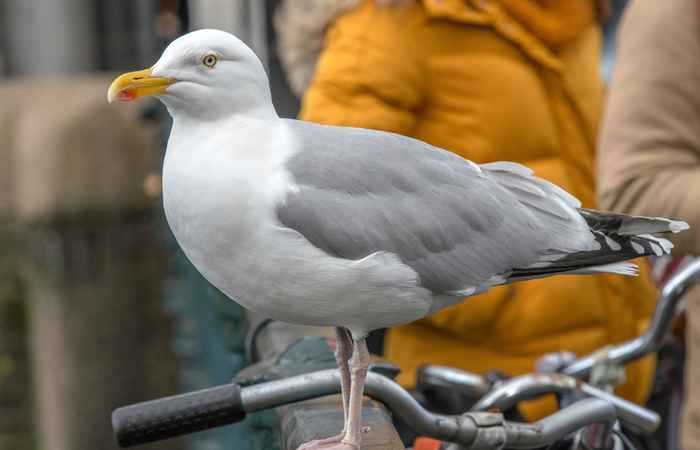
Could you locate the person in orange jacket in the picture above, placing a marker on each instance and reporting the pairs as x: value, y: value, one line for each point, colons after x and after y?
x: 489, y: 80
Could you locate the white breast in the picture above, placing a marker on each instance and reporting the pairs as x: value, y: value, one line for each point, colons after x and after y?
x: 219, y: 188
x: 220, y: 198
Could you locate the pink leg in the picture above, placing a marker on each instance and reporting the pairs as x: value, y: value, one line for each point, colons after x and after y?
x: 343, y: 351
x: 358, y: 373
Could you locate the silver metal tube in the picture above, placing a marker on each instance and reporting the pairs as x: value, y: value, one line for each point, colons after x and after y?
x: 172, y: 416
x: 304, y: 387
x: 554, y: 427
x: 459, y: 429
x: 650, y: 341
x: 510, y: 392
x: 628, y: 412
x: 466, y: 382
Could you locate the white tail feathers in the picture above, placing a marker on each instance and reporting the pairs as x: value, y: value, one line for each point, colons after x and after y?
x: 676, y: 226
x: 632, y: 226
x: 620, y: 268
x: 660, y: 245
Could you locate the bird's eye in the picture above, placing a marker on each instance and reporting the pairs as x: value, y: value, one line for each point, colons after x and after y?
x: 210, y: 61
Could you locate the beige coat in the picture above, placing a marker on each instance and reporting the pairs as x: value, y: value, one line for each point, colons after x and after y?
x: 649, y: 148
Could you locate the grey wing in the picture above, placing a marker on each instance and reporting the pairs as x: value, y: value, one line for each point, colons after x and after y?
x: 458, y: 225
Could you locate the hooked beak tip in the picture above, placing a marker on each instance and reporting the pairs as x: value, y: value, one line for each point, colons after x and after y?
x: 132, y: 85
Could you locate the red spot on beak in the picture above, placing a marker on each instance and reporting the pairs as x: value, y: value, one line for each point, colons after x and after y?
x: 126, y: 95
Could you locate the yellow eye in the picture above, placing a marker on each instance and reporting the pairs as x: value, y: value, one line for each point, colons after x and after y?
x: 210, y: 61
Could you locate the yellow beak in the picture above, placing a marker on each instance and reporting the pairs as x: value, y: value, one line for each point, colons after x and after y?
x: 133, y: 85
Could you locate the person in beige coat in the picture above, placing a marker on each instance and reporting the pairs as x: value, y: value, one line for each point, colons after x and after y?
x: 649, y: 144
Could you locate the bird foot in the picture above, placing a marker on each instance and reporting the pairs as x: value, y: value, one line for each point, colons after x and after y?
x: 329, y: 446
x: 321, y: 444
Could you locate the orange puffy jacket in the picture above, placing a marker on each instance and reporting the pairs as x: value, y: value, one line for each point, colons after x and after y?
x: 490, y: 80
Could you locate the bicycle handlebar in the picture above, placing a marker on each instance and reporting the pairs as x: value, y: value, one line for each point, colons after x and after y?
x: 454, y: 379
x: 623, y: 353
x: 651, y: 340
x: 509, y: 393
x: 177, y: 415
x: 563, y: 422
x: 173, y: 416
x: 182, y: 414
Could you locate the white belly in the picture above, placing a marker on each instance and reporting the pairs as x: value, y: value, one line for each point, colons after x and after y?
x: 279, y: 275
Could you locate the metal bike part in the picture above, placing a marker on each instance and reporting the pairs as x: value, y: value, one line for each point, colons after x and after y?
x: 173, y: 416
x: 470, y: 384
x: 544, y: 432
x: 257, y: 325
x: 553, y: 428
x: 177, y: 415
x: 509, y: 393
x: 266, y: 337
x: 672, y: 292
x: 398, y: 400
x: 554, y: 361
x: 599, y: 437
x: 625, y: 352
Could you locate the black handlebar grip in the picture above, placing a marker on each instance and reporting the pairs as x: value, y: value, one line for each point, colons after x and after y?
x: 181, y: 414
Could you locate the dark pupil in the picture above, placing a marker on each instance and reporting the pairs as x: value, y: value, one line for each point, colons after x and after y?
x: 209, y: 60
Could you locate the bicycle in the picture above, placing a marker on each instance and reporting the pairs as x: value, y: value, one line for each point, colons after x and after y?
x: 583, y: 423
x: 560, y: 373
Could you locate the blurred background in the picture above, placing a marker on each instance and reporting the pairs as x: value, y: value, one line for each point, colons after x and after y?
x: 98, y: 307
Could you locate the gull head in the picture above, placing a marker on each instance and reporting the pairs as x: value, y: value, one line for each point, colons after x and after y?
x: 205, y: 74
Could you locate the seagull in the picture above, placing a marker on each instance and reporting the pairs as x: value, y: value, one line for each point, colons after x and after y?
x: 353, y: 228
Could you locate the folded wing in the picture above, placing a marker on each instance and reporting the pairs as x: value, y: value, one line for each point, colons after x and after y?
x: 460, y: 226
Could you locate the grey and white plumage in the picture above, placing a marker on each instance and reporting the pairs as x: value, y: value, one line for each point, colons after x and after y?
x: 343, y: 229
x: 348, y: 227
x: 459, y: 225
x: 340, y: 226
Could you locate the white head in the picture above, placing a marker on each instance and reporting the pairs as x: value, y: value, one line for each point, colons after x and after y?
x: 206, y: 75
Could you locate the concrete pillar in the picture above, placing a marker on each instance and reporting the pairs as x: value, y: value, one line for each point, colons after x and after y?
x: 50, y: 36
x: 91, y: 262
x: 244, y: 18
x: 15, y: 393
